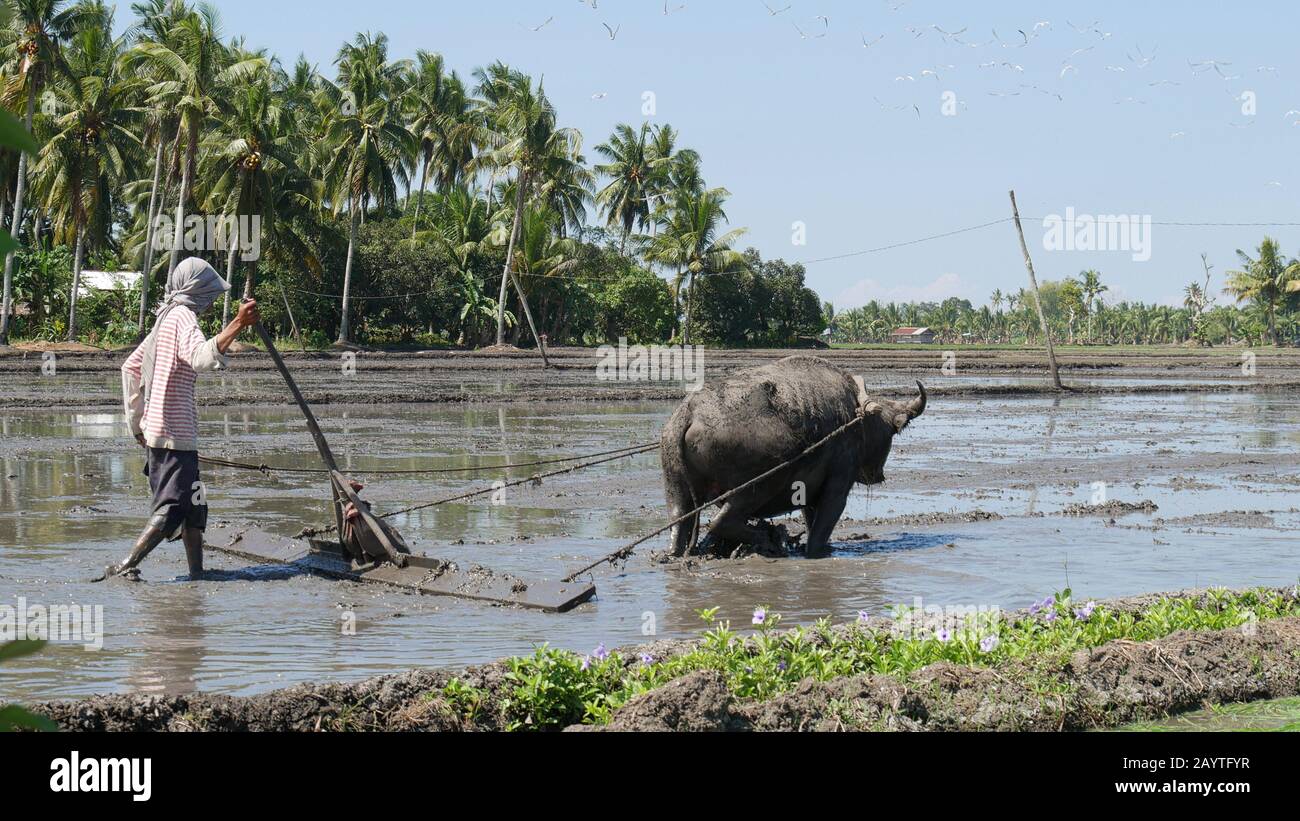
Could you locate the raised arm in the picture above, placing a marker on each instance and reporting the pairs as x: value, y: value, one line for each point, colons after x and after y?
x: 209, y: 354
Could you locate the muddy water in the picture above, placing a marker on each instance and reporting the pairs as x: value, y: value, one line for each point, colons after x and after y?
x: 971, y: 514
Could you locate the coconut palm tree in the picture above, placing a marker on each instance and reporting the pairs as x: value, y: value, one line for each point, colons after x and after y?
x: 193, y: 66
x: 1091, y: 288
x: 94, y: 146
x: 1264, y: 281
x: 154, y: 19
x: 524, y: 138
x: 31, y: 49
x: 462, y: 231
x: 250, y: 170
x: 439, y: 109
x: 367, y: 140
x: 626, y: 198
x: 689, y: 242
x: 541, y: 259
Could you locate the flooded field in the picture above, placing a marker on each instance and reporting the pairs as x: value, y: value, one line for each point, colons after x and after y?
x: 989, y: 500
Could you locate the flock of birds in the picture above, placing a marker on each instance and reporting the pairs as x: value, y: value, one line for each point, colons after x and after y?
x: 1004, y: 52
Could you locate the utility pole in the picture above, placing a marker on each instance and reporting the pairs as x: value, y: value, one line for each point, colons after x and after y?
x: 1038, y: 302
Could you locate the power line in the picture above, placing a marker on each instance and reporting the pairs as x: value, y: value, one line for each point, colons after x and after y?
x: 846, y: 255
x: 906, y: 243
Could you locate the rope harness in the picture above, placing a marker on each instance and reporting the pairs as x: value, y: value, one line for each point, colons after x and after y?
x: 605, y: 456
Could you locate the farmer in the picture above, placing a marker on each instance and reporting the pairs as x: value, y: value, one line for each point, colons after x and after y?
x: 158, y: 392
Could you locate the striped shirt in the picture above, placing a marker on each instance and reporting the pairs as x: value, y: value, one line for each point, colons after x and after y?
x: 168, y: 417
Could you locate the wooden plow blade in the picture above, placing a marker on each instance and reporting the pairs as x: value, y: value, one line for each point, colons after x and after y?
x: 420, y: 574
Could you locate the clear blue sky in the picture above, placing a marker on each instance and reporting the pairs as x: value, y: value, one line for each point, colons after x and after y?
x: 792, y: 126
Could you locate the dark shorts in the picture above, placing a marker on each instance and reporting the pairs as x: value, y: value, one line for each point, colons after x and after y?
x: 177, y: 493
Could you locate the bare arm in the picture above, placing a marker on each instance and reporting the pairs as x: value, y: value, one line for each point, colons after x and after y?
x: 246, y: 318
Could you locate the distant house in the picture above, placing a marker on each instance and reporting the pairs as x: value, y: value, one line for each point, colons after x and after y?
x: 107, y: 281
x: 914, y: 335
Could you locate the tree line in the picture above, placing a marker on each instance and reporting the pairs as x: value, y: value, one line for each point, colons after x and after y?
x: 395, y: 199
x: 1265, y: 309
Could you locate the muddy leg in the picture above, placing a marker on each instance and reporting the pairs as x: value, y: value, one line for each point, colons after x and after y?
x: 153, y: 535
x: 827, y: 514
x: 193, y: 539
x: 809, y: 516
x: 681, y: 501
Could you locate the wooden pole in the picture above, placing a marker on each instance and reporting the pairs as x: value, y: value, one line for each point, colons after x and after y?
x: 1038, y: 302
x: 292, y: 323
x: 523, y: 300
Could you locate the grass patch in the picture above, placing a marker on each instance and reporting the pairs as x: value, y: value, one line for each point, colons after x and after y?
x: 554, y: 688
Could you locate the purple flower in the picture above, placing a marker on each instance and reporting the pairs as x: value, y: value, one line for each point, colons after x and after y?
x: 1084, y: 613
x: 586, y: 662
x: 989, y: 643
x: 600, y: 652
x: 942, y: 634
x: 862, y: 617
x: 760, y: 615
x: 646, y: 658
x: 1050, y: 616
x: 781, y: 665
x: 1039, y: 606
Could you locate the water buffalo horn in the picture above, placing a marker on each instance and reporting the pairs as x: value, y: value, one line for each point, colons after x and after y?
x: 917, y: 406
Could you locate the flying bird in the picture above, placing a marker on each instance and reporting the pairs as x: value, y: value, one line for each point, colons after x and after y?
x: 1058, y: 97
x: 600, y: 95
x: 1142, y: 60
x: 1175, y: 135
x: 1206, y: 65
x: 774, y: 12
x: 613, y: 32
x: 539, y: 28
x: 865, y: 44
x: 804, y: 36
x: 668, y: 11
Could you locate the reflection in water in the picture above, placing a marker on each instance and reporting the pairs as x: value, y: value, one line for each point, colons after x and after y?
x: 170, y: 659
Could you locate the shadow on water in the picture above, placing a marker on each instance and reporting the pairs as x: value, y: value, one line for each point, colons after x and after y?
x: 892, y: 544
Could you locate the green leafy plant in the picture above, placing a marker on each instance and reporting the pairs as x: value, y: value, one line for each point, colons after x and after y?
x: 555, y: 688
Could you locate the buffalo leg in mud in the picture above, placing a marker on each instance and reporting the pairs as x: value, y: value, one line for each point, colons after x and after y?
x: 681, y: 502
x: 825, y: 515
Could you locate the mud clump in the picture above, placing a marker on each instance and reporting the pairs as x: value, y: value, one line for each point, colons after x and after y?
x: 697, y: 702
x: 389, y: 702
x: 1112, y: 508
x: 1250, y: 519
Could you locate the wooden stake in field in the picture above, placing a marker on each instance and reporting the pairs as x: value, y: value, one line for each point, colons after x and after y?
x: 1038, y: 302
